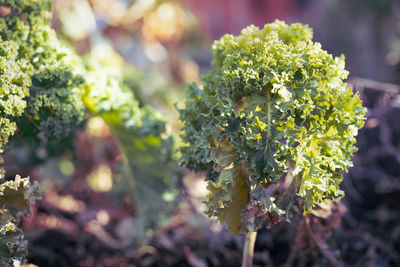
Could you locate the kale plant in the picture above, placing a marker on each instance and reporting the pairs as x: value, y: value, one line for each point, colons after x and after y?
x: 54, y: 108
x: 18, y: 195
x: 39, y: 103
x: 45, y: 89
x: 274, y: 126
x: 150, y: 175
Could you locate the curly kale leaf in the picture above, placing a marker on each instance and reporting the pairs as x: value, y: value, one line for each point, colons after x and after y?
x: 54, y: 108
x: 16, y: 198
x: 14, y: 83
x: 273, y: 98
x: 27, y: 7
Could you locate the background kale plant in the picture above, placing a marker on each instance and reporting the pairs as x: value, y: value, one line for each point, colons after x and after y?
x: 45, y: 91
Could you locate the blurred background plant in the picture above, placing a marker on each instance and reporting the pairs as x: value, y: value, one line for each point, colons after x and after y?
x: 137, y: 57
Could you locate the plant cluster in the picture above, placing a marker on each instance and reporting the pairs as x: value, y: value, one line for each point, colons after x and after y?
x: 274, y: 126
x: 46, y: 91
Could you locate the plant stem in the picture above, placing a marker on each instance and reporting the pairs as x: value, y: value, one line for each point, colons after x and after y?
x: 248, y: 250
x: 269, y: 117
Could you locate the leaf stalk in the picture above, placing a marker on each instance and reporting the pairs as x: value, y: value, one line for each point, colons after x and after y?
x: 248, y: 250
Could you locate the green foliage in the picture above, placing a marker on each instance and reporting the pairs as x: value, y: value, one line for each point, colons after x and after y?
x: 14, y: 79
x: 27, y: 7
x: 54, y: 108
x: 150, y: 175
x: 40, y: 98
x: 54, y: 103
x: 274, y: 102
x: 105, y: 95
x: 16, y: 198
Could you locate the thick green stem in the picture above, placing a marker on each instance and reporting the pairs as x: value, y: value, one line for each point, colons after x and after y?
x: 248, y: 250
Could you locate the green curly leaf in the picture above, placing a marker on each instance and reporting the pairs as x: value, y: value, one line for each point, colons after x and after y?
x: 276, y: 98
x: 54, y: 108
x: 16, y: 198
x: 15, y: 80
